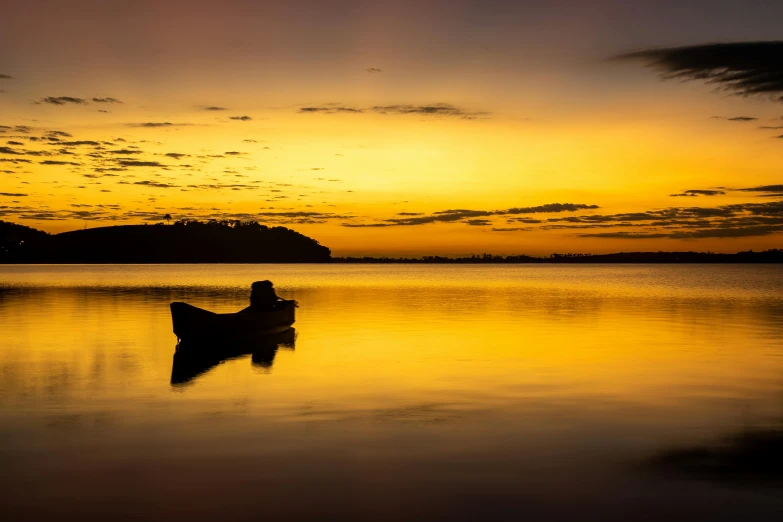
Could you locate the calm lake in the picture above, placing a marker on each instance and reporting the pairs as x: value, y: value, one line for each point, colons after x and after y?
x: 409, y: 393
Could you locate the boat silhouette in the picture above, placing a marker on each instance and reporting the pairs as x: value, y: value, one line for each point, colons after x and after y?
x: 194, y: 324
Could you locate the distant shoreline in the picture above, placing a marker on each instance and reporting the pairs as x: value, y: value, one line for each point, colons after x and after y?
x: 765, y: 257
x: 629, y: 258
x: 234, y: 242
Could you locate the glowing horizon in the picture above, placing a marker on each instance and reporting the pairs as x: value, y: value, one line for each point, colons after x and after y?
x: 395, y: 130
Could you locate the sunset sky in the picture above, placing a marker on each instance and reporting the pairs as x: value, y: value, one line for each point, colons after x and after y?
x: 402, y: 128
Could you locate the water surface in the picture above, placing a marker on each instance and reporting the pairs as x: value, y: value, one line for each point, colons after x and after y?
x: 411, y: 392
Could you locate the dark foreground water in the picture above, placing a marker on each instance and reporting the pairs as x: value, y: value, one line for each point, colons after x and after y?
x: 410, y: 393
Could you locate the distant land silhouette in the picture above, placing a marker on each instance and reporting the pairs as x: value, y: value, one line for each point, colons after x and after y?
x: 767, y: 256
x: 180, y: 242
x: 191, y: 241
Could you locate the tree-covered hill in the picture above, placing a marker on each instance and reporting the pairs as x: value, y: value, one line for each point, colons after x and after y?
x: 181, y: 242
x: 16, y: 239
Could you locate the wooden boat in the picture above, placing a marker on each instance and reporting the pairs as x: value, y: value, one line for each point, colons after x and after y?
x: 196, y: 325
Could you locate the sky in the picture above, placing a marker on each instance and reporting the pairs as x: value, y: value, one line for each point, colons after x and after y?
x: 402, y: 128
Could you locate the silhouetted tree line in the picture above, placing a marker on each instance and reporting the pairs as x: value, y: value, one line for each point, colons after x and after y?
x: 767, y: 256
x: 185, y: 241
x: 474, y: 259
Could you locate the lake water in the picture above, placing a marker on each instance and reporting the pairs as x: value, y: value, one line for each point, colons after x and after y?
x: 411, y: 393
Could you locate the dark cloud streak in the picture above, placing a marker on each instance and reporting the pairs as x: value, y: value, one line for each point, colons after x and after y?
x: 448, y: 216
x: 744, y: 68
x: 435, y: 109
x: 736, y: 118
x: 699, y: 192
x: 62, y: 100
x: 153, y: 124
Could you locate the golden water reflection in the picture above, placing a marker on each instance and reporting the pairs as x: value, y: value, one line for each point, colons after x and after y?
x: 426, y: 390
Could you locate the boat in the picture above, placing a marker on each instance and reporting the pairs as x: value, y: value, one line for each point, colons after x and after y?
x: 198, y: 326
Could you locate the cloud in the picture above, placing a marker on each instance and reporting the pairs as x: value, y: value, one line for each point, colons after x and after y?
x: 453, y: 215
x: 62, y: 100
x: 298, y: 214
x: 176, y: 155
x: 106, y: 100
x: 523, y: 220
x: 512, y: 229
x: 12, y: 194
x: 220, y: 186
x: 42, y: 216
x: 157, y: 124
x: 331, y: 110
x: 763, y: 230
x: 213, y: 108
x: 155, y: 184
x: 436, y: 109
x: 763, y: 188
x: 699, y: 192
x: 80, y: 142
x: 9, y: 150
x: 240, y: 118
x: 443, y: 216
x: 373, y: 70
x: 736, y: 220
x: 626, y: 235
x: 133, y: 163
x: 478, y: 222
x: 124, y: 152
x: 744, y: 68
x: 55, y: 162
x: 766, y: 190
x: 6, y: 77
x: 735, y: 118
x: 550, y: 207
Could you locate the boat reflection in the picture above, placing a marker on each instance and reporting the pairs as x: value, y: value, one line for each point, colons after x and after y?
x: 194, y: 359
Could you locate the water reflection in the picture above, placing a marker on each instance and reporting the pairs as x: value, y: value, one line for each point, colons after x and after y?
x: 749, y: 456
x: 431, y: 391
x: 194, y: 359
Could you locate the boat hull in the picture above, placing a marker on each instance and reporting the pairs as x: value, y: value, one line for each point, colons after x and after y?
x: 196, y: 325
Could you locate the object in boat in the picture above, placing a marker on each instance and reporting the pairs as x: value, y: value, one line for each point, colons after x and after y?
x: 195, y: 324
x: 192, y: 359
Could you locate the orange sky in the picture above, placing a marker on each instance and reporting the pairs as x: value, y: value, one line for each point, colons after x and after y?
x: 414, y: 128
